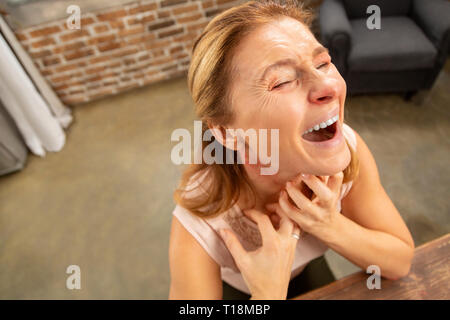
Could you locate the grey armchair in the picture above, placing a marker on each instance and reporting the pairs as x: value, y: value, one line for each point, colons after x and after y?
x: 405, y: 55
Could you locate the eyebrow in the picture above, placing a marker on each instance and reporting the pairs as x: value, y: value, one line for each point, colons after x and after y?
x: 291, y: 62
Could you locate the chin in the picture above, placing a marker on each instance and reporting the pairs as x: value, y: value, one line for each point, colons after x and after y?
x: 332, y: 165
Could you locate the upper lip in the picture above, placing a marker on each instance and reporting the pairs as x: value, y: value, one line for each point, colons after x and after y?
x: 324, y: 117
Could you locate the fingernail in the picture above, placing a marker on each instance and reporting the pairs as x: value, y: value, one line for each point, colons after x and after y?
x: 288, y: 184
x: 305, y: 175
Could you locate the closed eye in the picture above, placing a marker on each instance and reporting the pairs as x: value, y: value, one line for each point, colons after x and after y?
x: 281, y: 84
x: 323, y: 65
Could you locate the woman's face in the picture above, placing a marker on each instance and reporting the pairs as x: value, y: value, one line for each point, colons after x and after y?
x: 293, y: 96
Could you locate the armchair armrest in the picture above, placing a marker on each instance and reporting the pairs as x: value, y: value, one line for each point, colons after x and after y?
x: 433, y: 17
x: 335, y: 30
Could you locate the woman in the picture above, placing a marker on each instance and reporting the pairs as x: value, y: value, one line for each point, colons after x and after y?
x: 259, y: 66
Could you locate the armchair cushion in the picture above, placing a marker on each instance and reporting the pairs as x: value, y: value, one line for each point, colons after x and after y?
x: 399, y: 45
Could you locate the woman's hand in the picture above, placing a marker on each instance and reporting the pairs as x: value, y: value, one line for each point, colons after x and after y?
x: 314, y: 216
x: 267, y: 270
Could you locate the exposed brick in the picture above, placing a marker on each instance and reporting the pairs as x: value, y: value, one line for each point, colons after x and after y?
x: 187, y: 36
x: 116, y: 24
x: 74, y: 34
x: 21, y: 36
x: 42, y: 43
x: 180, y: 55
x: 175, y: 49
x: 127, y: 32
x: 101, y: 39
x: 101, y: 28
x: 219, y: 2
x: 67, y: 67
x: 100, y: 59
x: 40, y: 54
x: 161, y: 61
x: 129, y: 61
x: 163, y: 14
x: 109, y: 74
x: 207, y: 4
x: 112, y: 15
x: 74, y: 100
x: 160, y: 25
x: 168, y: 33
x: 197, y: 26
x: 135, y: 44
x: 78, y: 54
x: 145, y: 19
x: 212, y: 12
x: 101, y: 93
x: 157, y: 53
x: 143, y: 8
x: 139, y: 76
x: 108, y: 46
x: 46, y: 72
x: 70, y: 46
x: 114, y: 65
x: 83, y: 22
x: 95, y: 69
x: 141, y: 39
x: 86, y: 21
x: 173, y: 66
x: 50, y: 61
x: 189, y: 8
x: 194, y: 17
x: 157, y: 44
x: 44, y: 31
x: 144, y: 57
x: 110, y: 83
x: 166, y: 3
x: 126, y: 52
x: 61, y: 78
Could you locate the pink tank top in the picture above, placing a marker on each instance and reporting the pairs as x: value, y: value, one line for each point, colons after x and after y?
x: 205, y: 231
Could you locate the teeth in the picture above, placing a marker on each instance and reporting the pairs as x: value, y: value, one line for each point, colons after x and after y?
x: 324, y: 124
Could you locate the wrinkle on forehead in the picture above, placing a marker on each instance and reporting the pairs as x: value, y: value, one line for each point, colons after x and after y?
x: 276, y: 40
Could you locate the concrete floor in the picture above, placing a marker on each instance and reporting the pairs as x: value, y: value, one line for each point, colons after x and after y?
x: 104, y: 202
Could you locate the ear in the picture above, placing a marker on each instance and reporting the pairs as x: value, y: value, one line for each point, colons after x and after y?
x: 219, y: 133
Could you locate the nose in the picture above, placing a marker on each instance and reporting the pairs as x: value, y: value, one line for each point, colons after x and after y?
x: 323, y: 90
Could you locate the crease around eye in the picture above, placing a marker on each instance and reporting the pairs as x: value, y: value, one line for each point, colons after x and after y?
x: 281, y: 84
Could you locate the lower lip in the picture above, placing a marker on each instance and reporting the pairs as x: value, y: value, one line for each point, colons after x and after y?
x: 330, y: 143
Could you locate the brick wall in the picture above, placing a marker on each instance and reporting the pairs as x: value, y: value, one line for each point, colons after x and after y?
x: 119, y: 48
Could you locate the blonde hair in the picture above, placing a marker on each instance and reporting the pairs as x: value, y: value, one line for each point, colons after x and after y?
x: 209, y: 75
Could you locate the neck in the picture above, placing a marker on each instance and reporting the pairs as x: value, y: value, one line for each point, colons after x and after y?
x: 267, y: 189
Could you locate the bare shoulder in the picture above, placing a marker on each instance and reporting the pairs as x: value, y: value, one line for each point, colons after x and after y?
x: 194, y: 274
x: 367, y: 203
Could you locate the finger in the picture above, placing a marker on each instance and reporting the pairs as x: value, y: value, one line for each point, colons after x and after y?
x: 301, y: 201
x: 264, y: 224
x: 291, y: 211
x: 271, y: 207
x: 321, y: 190
x: 285, y: 224
x: 234, y: 246
x: 335, y: 182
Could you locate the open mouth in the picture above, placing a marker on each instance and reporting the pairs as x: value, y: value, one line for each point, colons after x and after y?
x: 322, y: 134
